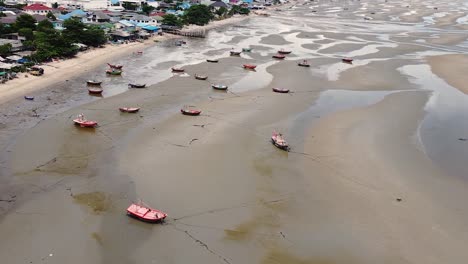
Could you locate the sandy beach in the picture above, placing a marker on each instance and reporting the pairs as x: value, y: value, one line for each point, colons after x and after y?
x: 375, y: 174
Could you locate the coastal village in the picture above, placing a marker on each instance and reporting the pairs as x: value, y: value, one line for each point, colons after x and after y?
x: 84, y: 24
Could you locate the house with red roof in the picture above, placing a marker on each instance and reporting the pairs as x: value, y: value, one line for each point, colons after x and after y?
x: 38, y: 9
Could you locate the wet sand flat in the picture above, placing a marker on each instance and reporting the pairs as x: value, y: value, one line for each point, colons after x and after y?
x: 451, y: 68
x: 365, y: 181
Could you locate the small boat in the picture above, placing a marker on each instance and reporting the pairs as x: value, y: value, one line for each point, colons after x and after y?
x: 279, y: 142
x: 279, y: 56
x: 190, y: 112
x: 114, y: 72
x: 145, y: 213
x: 246, y: 49
x: 115, y: 66
x: 219, y: 87
x: 282, y: 51
x: 201, y: 77
x: 347, y: 60
x: 280, y: 90
x: 93, y: 82
x: 129, y: 109
x: 135, y: 85
x: 303, y: 63
x: 81, y: 121
x: 30, y: 98
x: 177, y: 69
x: 249, y: 66
x: 95, y: 90
x: 212, y: 60
x: 235, y: 53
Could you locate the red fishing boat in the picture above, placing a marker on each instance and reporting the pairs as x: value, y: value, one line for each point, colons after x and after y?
x: 81, y: 121
x: 250, y: 66
x: 129, y: 109
x: 192, y: 112
x: 303, y: 63
x: 115, y: 66
x: 280, y: 90
x: 282, y: 51
x: 145, y: 213
x: 347, y: 60
x: 177, y: 69
x: 279, y: 56
x: 279, y: 142
x: 95, y: 90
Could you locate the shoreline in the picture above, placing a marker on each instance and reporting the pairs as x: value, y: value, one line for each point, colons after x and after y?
x: 85, y: 61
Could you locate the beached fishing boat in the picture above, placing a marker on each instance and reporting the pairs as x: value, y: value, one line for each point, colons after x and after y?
x: 246, y: 49
x: 235, y: 53
x: 280, y: 90
x: 249, y: 66
x: 115, y: 66
x: 81, y: 121
x: 303, y: 63
x: 136, y: 85
x: 347, y: 60
x: 30, y: 98
x: 95, y: 90
x: 219, y: 87
x: 177, y: 69
x: 129, y: 109
x: 282, y: 51
x: 212, y: 60
x: 113, y: 72
x: 279, y: 142
x: 93, y: 82
x: 145, y: 213
x: 201, y: 77
x: 279, y: 56
x: 191, y: 112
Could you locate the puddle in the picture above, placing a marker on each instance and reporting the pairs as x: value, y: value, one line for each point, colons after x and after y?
x: 445, y: 121
x: 257, y: 79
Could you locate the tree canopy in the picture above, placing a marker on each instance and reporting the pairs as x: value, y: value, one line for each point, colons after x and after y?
x: 171, y: 20
x: 25, y: 21
x: 198, y: 15
x: 77, y: 32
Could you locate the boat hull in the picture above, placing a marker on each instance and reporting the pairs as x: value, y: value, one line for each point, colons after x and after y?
x: 136, y: 85
x: 129, y: 109
x: 95, y: 91
x: 284, y: 52
x: 190, y: 113
x: 198, y: 77
x: 96, y: 83
x: 249, y: 66
x: 279, y: 57
x: 279, y: 90
x: 145, y: 214
x: 177, y: 70
x: 88, y: 124
x: 235, y: 53
x: 303, y: 65
x: 218, y: 87
x: 280, y: 146
x: 212, y: 61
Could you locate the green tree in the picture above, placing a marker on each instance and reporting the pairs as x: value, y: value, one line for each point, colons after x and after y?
x: 27, y: 33
x: 147, y: 9
x: 93, y: 36
x: 2, y: 14
x: 129, y: 6
x: 25, y: 21
x: 5, y: 49
x: 45, y: 26
x: 55, y: 5
x: 51, y: 16
x: 171, y: 20
x: 198, y: 15
x: 52, y: 44
x: 221, y: 11
x: 238, y: 10
x: 74, y: 29
x: 4, y: 29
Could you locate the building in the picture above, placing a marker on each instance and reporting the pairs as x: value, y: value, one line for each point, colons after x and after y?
x: 39, y: 9
x: 98, y: 17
